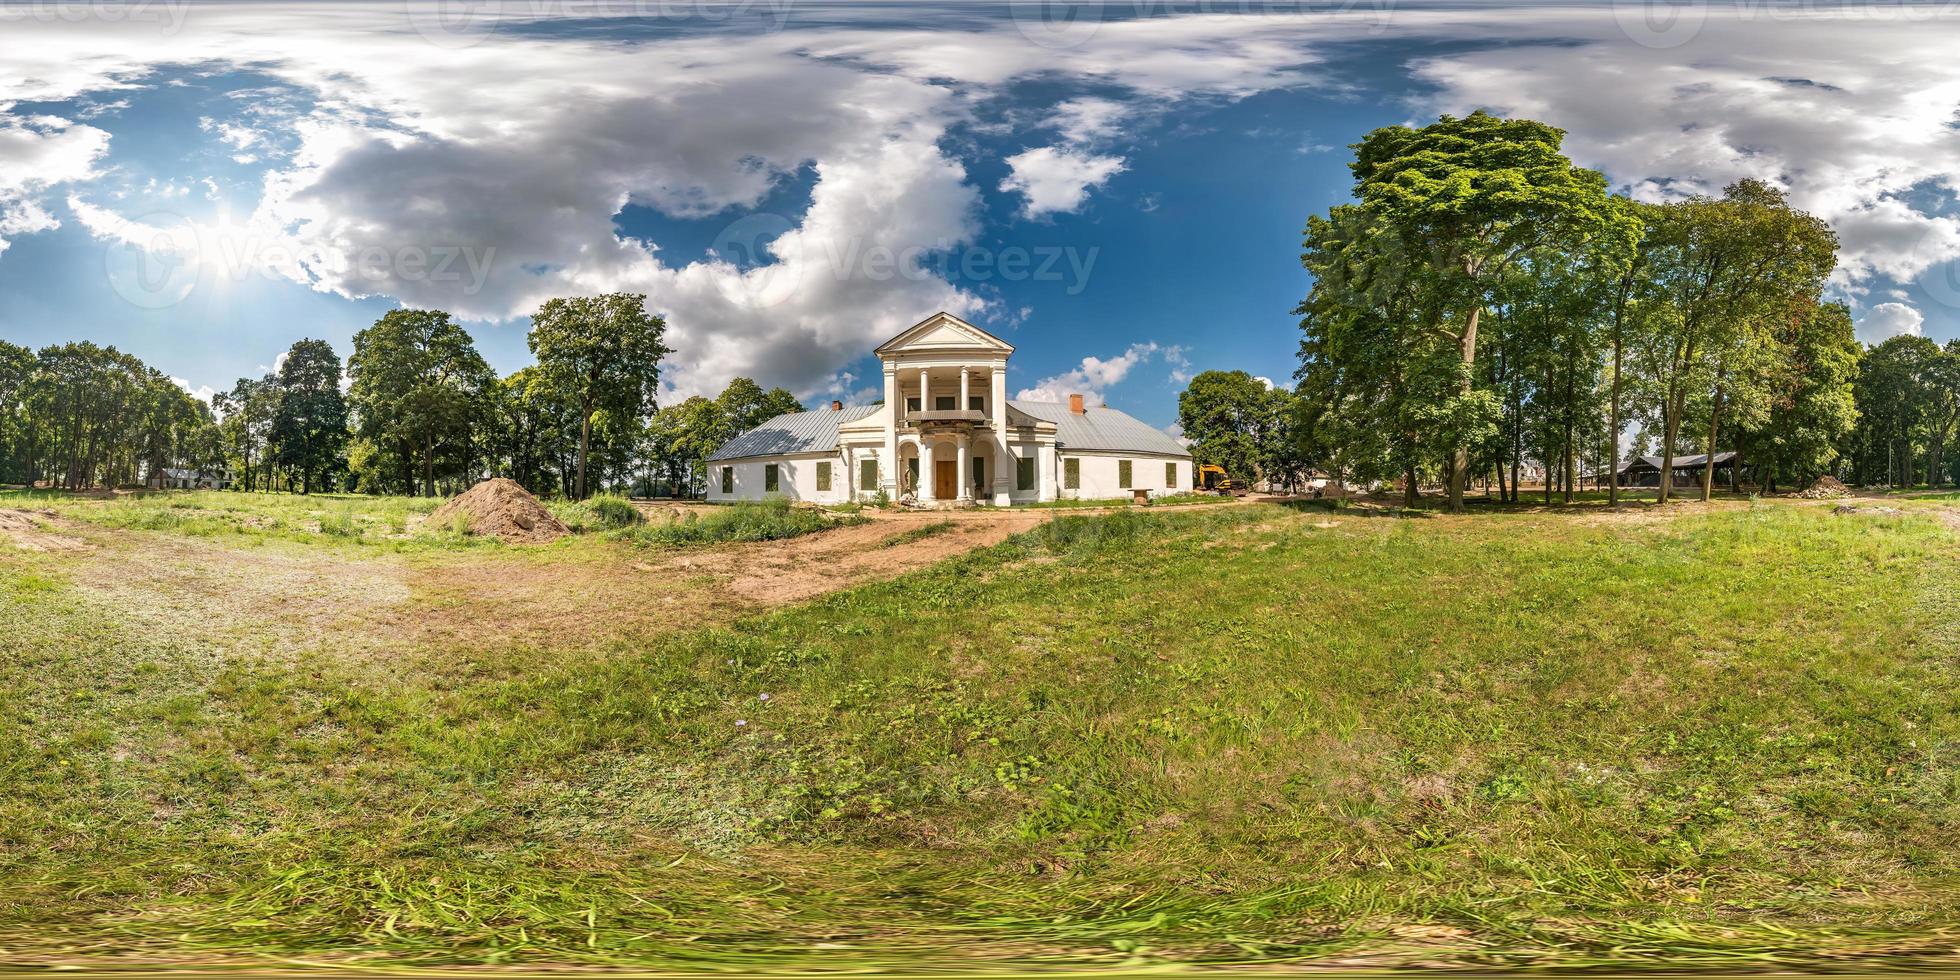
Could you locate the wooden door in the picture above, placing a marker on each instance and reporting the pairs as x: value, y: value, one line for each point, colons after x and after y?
x: 945, y: 479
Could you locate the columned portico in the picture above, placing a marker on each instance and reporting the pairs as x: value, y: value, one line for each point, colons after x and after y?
x: 946, y: 435
x: 964, y: 473
x: 926, y: 469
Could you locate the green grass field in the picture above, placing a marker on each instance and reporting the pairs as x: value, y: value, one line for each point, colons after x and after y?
x: 1698, y: 737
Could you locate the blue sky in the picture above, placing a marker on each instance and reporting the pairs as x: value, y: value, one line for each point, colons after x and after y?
x: 1116, y: 189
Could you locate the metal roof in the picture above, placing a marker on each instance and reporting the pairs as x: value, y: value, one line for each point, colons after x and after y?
x: 798, y: 432
x: 1680, y: 462
x: 1101, y: 429
x: 1098, y: 429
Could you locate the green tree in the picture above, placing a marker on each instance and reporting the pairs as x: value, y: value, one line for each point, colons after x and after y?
x: 1721, y: 273
x: 417, y: 385
x: 601, y: 353
x: 1232, y: 421
x: 746, y: 405
x: 1464, y: 199
x: 1811, y: 403
x: 1895, y: 396
x: 309, y: 426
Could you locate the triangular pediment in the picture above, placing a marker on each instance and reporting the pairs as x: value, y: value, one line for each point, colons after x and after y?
x: 943, y: 331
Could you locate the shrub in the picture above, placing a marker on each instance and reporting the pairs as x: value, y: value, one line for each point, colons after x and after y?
x: 1088, y: 533
x: 766, y: 520
x: 613, y: 511
x: 340, y: 524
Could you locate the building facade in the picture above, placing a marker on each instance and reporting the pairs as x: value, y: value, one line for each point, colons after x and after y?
x: 946, y: 434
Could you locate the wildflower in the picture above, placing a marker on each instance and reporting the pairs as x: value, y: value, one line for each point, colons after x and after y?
x: 741, y: 723
x: 765, y: 696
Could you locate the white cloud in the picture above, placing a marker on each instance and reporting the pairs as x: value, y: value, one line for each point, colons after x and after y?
x: 36, y: 154
x: 203, y: 393
x: 1175, y: 355
x: 397, y: 143
x: 1888, y: 320
x: 1091, y: 377
x: 1057, y: 179
x: 1088, y: 120
x: 1848, y: 112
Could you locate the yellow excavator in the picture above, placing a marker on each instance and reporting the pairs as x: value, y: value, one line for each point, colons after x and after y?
x: 1213, y: 479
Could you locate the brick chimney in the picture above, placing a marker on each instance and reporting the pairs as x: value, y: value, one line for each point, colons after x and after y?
x: 836, y: 406
x: 1075, y: 405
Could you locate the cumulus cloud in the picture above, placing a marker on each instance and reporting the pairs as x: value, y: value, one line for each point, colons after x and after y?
x: 1868, y: 122
x: 1180, y: 361
x: 38, y: 153
x: 1091, y: 377
x: 395, y: 144
x: 203, y: 393
x: 1057, y: 179
x: 1888, y: 320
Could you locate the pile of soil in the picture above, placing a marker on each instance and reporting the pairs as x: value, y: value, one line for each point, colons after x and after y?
x: 501, y: 507
x: 1827, y: 487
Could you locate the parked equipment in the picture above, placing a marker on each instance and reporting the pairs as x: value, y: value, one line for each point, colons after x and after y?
x: 1213, y: 479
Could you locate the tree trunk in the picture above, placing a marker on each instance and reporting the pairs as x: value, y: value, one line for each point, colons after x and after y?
x: 1708, y: 460
x: 1670, y: 431
x: 584, y: 440
x: 1460, y: 459
x: 1409, y: 487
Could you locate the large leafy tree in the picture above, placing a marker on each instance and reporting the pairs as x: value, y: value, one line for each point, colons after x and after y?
x: 1809, y: 404
x: 1896, y: 395
x: 602, y: 354
x: 309, y: 426
x: 1722, y: 272
x: 1233, y: 420
x: 746, y: 405
x: 1463, y: 200
x: 417, y: 384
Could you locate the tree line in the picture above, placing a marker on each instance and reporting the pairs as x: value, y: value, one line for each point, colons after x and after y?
x: 415, y: 409
x: 1484, y: 305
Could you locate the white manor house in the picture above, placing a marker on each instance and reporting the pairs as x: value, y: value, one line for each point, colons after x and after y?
x: 947, y: 435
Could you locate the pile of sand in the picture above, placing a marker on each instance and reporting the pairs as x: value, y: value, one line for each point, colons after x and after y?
x: 500, y: 507
x: 1827, y: 487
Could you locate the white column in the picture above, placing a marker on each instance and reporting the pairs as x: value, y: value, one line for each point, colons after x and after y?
x: 1045, y: 476
x: 963, y: 390
x: 925, y: 470
x: 964, y: 469
x: 1003, y: 459
x: 888, y: 466
x: 925, y: 390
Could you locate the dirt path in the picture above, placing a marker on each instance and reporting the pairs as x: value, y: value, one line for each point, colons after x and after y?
x: 38, y: 530
x: 779, y: 572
